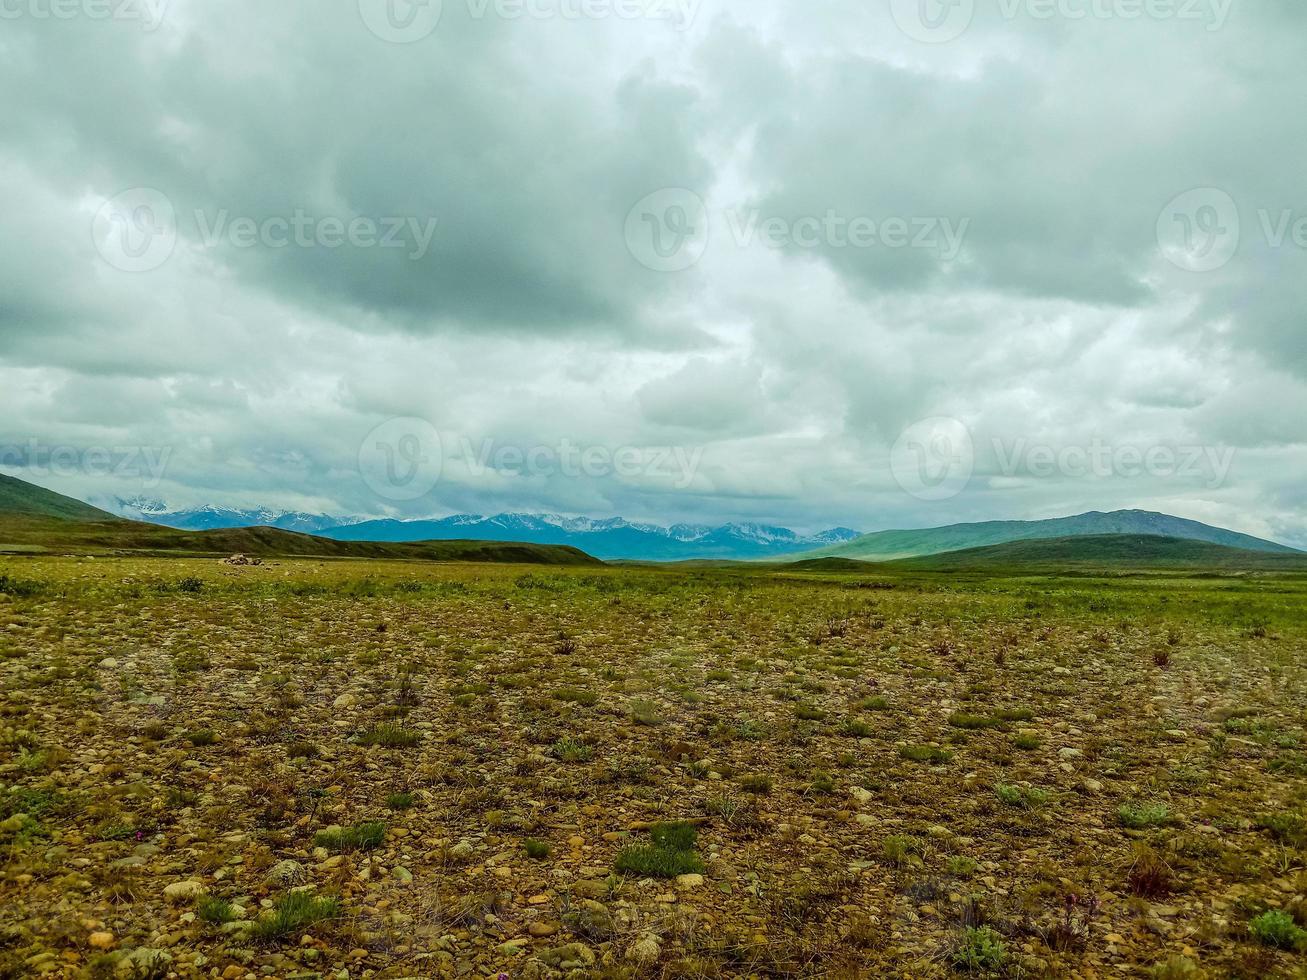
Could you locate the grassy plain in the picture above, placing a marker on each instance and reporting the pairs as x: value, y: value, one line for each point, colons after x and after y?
x: 398, y: 769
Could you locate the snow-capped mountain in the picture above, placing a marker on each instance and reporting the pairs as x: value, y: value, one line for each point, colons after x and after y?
x: 211, y: 518
x: 610, y: 539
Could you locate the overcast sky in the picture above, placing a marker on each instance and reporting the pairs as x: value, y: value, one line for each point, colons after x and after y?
x: 853, y: 262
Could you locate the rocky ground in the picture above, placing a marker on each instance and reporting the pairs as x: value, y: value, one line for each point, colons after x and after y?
x: 352, y: 770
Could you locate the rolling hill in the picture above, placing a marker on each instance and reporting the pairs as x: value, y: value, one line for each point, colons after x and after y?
x: 37, y: 521
x: 893, y: 545
x: 20, y: 497
x: 1111, y: 551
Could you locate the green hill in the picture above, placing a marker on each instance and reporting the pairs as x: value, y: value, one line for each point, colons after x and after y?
x: 1112, y: 551
x: 37, y: 521
x: 893, y: 545
x: 20, y: 497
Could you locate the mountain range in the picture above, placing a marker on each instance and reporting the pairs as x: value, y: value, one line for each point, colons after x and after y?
x: 212, y: 518
x: 614, y: 539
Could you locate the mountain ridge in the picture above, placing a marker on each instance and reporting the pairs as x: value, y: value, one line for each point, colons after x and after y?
x: 607, y: 539
x: 901, y: 544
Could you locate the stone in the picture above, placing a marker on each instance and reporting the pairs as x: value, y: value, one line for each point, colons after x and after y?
x: 101, y: 940
x: 180, y: 892
x: 541, y: 929
x: 573, y: 956
x: 644, y: 950
x: 689, y: 881
x: 286, y: 874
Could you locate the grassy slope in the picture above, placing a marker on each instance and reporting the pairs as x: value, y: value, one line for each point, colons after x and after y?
x: 1130, y: 551
x: 20, y: 497
x: 892, y: 545
x: 29, y: 534
x: 38, y: 521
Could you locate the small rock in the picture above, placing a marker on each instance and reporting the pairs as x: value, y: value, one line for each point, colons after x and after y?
x: 644, y: 950
x: 101, y: 940
x: 286, y: 874
x: 689, y: 881
x: 541, y: 929
x: 180, y: 892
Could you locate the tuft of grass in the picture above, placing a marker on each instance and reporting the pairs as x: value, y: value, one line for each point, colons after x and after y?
x: 293, y: 914
x: 399, y: 801
x: 902, y: 850
x: 855, y: 728
x: 979, y: 949
x: 969, y: 722
x: 214, y: 910
x: 1027, y: 743
x: 1288, y: 828
x: 1141, y: 816
x: 201, y: 737
x: 925, y: 753
x: 1276, y: 928
x: 389, y: 736
x: 1149, y: 875
x: 669, y: 853
x: 572, y: 750
x: 1021, y: 797
x: 762, y: 785
x: 536, y: 850
x: 362, y: 837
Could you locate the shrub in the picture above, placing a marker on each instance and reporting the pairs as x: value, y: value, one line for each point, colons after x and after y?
x: 925, y: 753
x: 1149, y: 875
x: 390, y: 736
x: 293, y: 914
x: 762, y: 785
x: 1140, y: 816
x: 214, y: 910
x: 363, y: 837
x: 902, y: 850
x: 969, y: 722
x: 1277, y: 928
x: 979, y: 948
x: 669, y: 853
x: 400, y: 801
x: 571, y: 750
x: 1024, y: 798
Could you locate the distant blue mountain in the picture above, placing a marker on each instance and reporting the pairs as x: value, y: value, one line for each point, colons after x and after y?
x: 609, y: 539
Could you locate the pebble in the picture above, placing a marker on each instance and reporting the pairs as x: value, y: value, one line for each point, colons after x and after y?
x: 184, y: 891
